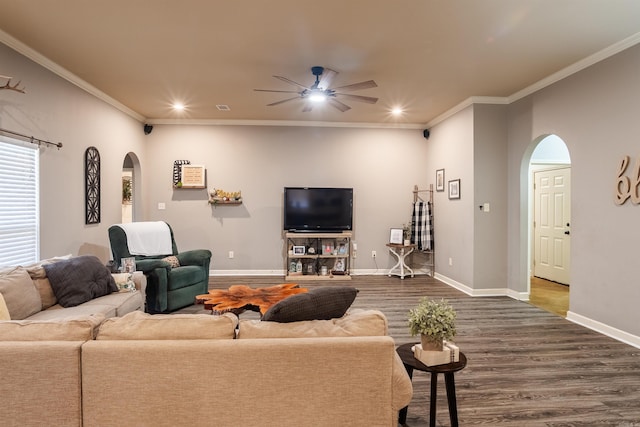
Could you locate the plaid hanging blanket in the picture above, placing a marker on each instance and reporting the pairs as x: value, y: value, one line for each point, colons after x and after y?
x: 421, y: 227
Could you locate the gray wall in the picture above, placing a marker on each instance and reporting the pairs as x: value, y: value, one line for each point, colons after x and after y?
x: 382, y: 166
x: 595, y: 112
x: 490, y: 186
x: 54, y: 109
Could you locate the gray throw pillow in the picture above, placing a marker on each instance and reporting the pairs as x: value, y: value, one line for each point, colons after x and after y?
x: 80, y: 279
x: 318, y: 304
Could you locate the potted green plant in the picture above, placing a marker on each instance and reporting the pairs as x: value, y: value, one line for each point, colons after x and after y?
x: 434, y: 321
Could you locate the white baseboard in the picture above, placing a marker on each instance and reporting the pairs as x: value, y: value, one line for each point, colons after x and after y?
x: 491, y: 292
x: 607, y: 330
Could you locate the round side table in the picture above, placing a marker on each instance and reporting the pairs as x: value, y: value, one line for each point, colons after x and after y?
x: 448, y: 369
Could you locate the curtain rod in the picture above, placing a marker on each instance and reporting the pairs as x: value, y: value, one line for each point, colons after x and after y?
x: 31, y: 139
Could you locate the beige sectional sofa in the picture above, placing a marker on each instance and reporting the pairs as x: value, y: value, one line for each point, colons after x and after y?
x: 28, y: 295
x: 205, y: 370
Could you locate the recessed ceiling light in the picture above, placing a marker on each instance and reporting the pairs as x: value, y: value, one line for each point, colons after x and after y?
x: 397, y: 111
x: 178, y: 106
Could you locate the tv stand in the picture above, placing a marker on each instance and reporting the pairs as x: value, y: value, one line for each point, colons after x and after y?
x: 318, y: 253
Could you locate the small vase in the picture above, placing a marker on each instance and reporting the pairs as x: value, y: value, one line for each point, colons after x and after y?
x: 430, y: 343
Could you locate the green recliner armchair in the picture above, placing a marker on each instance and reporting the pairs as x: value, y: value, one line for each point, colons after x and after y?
x: 168, y: 288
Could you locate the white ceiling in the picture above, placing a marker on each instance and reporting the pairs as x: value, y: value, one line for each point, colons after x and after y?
x: 427, y: 56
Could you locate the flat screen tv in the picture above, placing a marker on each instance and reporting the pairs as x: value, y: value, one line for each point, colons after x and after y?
x: 319, y: 210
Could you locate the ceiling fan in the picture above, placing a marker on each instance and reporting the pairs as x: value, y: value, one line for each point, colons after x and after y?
x: 321, y: 91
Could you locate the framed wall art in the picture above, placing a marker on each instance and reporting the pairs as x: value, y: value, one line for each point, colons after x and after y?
x: 440, y: 180
x: 193, y: 176
x: 454, y: 189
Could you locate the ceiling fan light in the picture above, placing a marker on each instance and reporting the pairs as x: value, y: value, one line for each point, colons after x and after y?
x: 317, y: 96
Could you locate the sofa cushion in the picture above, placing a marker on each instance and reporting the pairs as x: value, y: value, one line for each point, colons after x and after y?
x: 80, y: 279
x: 4, y: 311
x: 47, y: 297
x: 356, y: 322
x: 317, y: 304
x: 122, y: 302
x: 58, y: 312
x: 124, y: 282
x: 40, y: 280
x: 144, y: 326
x: 20, y: 294
x: 80, y: 329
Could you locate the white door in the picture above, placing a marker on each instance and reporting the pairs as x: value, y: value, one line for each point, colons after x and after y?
x: 552, y: 222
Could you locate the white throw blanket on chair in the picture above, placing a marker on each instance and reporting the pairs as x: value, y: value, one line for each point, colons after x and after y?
x: 148, y: 238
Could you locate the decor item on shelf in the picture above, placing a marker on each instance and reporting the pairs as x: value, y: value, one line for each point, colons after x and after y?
x: 435, y: 321
x: 218, y: 195
x: 406, y: 234
x: 395, y: 236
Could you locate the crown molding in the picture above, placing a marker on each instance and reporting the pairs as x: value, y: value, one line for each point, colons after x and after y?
x: 45, y: 62
x: 548, y: 81
x: 290, y: 123
x: 576, y: 67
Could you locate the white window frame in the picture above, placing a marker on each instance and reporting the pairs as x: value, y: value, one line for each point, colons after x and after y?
x: 19, y: 202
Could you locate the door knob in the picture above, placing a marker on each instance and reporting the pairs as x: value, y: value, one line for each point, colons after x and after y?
x: 567, y: 232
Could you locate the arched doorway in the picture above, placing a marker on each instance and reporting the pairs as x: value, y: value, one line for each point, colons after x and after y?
x: 130, y: 187
x: 550, y: 224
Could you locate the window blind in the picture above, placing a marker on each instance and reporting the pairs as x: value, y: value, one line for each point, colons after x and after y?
x: 19, y: 204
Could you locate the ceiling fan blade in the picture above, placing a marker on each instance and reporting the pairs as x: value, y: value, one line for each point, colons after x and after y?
x: 278, y: 91
x: 356, y: 86
x: 2, y: 76
x: 339, y: 105
x: 283, y: 101
x: 291, y: 82
x: 326, y: 78
x: 359, y: 98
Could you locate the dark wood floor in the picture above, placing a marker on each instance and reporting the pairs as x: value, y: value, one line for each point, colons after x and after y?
x: 526, y: 366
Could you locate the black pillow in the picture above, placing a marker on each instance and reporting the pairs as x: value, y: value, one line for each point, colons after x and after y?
x: 318, y: 304
x: 80, y: 279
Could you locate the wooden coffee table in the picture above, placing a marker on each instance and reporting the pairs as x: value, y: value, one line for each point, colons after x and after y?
x: 239, y: 298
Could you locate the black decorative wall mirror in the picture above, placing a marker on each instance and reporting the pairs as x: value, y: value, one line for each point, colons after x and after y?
x: 92, y: 185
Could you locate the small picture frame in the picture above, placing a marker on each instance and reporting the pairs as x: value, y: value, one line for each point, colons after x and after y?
x: 396, y: 236
x: 339, y: 265
x: 328, y: 247
x: 298, y: 250
x: 128, y: 265
x: 440, y: 180
x: 454, y: 189
x: 342, y: 248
